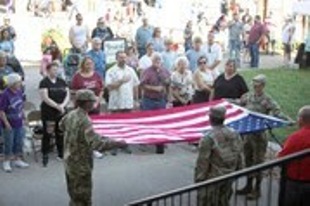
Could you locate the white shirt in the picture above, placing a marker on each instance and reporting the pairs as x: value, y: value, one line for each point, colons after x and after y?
x: 78, y: 35
x: 183, y: 82
x: 208, y: 77
x: 145, y: 62
x: 123, y: 97
x: 288, y: 31
x: 213, y: 53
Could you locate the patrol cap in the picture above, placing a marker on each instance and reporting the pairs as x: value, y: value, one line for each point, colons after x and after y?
x: 218, y: 112
x: 259, y: 79
x: 85, y: 95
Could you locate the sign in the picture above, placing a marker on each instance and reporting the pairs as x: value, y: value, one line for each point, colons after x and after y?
x: 110, y: 47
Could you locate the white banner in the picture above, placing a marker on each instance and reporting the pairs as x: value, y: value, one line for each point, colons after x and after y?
x: 112, y: 46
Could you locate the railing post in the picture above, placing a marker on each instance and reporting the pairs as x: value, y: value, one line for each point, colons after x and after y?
x: 282, y: 186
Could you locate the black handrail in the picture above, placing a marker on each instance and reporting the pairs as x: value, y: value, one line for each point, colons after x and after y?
x: 230, y: 176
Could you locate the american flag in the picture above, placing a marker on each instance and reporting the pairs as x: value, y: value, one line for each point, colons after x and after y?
x: 180, y: 124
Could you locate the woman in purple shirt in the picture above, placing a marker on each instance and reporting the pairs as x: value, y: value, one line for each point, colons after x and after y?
x: 11, y: 114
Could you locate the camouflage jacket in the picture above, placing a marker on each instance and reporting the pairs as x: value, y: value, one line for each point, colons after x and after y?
x: 220, y: 152
x: 80, y: 140
x: 263, y: 104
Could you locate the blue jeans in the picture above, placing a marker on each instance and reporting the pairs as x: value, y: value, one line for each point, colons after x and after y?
x: 254, y: 53
x: 13, y: 141
x: 234, y: 51
x: 153, y: 104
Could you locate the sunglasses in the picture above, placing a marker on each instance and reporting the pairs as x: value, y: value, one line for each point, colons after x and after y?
x: 202, y: 62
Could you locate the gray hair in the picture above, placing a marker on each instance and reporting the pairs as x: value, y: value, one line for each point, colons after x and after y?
x: 181, y: 59
x: 156, y: 55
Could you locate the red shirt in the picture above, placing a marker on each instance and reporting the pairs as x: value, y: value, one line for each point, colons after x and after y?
x: 93, y: 83
x: 257, y: 30
x: 298, y: 141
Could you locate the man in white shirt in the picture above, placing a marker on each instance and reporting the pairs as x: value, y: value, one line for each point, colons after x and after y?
x: 287, y: 39
x: 145, y: 61
x: 122, y: 83
x: 213, y: 52
x: 79, y: 35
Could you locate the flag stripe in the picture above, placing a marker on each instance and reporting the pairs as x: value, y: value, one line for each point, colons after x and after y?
x: 181, y: 124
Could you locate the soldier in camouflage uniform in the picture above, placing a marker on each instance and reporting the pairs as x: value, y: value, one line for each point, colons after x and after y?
x: 220, y: 152
x: 79, y: 142
x: 255, y: 144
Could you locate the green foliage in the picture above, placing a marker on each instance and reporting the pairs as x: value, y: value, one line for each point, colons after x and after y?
x: 290, y: 88
x: 58, y: 36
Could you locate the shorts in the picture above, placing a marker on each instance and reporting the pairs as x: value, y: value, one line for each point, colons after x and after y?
x: 287, y: 48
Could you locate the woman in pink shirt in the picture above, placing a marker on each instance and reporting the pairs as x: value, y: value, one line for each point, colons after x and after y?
x: 87, y: 78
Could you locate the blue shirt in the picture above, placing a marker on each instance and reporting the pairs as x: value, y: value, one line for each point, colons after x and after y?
x: 7, y: 46
x: 143, y: 36
x: 99, y: 60
x: 192, y: 56
x: 158, y: 44
x: 169, y: 58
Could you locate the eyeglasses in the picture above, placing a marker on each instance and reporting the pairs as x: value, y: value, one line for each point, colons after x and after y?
x: 202, y: 62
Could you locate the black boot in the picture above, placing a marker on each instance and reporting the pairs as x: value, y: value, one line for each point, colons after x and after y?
x: 45, y: 160
x: 248, y: 187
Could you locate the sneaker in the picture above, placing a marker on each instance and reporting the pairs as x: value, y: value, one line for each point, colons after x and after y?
x: 7, y: 166
x: 97, y: 155
x: 21, y: 164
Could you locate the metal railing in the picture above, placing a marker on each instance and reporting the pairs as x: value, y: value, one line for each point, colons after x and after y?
x: 273, y: 175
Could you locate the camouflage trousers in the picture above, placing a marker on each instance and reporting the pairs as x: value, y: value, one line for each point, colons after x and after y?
x: 255, y: 146
x: 215, y: 195
x: 79, y: 188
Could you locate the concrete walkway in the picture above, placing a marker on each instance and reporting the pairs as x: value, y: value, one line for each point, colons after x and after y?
x: 117, y: 179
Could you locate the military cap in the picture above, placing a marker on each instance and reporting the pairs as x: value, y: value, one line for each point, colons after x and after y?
x: 259, y: 79
x: 218, y: 112
x: 85, y: 95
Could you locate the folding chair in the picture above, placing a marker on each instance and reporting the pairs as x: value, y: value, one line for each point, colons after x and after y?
x: 34, y: 121
x: 29, y: 106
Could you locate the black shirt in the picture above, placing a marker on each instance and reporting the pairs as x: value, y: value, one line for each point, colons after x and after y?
x: 233, y: 88
x: 57, y: 92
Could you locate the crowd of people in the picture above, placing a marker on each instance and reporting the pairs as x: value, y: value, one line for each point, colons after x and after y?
x: 150, y: 74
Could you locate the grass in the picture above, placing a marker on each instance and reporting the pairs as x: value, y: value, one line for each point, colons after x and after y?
x: 290, y: 88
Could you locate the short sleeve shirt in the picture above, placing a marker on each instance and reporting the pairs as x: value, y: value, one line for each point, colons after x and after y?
x: 213, y: 53
x: 233, y: 88
x: 93, y: 83
x: 56, y: 91
x: 235, y: 31
x: 155, y: 78
x: 11, y: 103
x: 123, y: 97
x: 145, y: 62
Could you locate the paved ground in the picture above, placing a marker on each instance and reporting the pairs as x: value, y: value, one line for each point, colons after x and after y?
x: 117, y: 180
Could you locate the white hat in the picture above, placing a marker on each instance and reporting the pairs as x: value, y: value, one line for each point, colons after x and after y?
x: 13, y: 79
